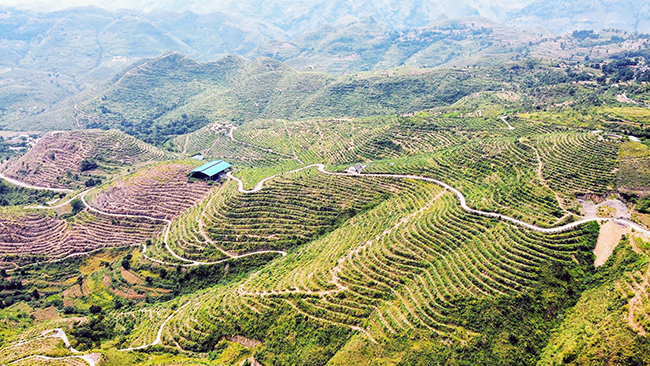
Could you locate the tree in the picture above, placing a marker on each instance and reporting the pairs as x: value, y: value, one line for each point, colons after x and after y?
x: 87, y: 164
x: 92, y: 182
x: 126, y: 262
x: 77, y: 205
x: 95, y: 309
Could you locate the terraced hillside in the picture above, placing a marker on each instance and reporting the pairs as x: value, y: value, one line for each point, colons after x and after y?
x: 530, y: 171
x: 289, y: 211
x: 56, y: 159
x: 161, y: 192
x: 457, y: 235
x: 28, y: 236
x: 216, y: 142
x: 360, y: 259
x: 393, y: 271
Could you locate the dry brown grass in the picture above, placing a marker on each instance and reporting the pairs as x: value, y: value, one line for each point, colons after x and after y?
x: 130, y: 277
x: 46, y: 314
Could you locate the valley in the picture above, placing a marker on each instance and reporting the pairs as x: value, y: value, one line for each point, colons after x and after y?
x: 456, y: 193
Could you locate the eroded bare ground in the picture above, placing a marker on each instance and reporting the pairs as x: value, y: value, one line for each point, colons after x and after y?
x: 610, y: 235
x: 591, y: 209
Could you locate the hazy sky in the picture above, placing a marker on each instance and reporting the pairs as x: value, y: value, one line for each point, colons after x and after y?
x: 298, y: 16
x: 197, y: 5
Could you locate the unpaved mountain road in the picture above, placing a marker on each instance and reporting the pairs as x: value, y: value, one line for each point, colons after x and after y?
x: 457, y: 193
x: 321, y: 168
x: 26, y: 185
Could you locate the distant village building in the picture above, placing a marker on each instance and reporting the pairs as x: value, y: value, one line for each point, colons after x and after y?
x: 355, y: 169
x: 197, y: 157
x: 213, y: 170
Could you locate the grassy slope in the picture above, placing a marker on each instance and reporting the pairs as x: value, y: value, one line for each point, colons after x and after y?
x: 634, y: 174
x: 596, y: 331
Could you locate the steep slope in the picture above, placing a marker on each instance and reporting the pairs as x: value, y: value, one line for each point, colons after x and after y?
x: 29, y: 236
x: 162, y: 191
x: 608, y: 325
x: 173, y: 95
x: 72, y: 159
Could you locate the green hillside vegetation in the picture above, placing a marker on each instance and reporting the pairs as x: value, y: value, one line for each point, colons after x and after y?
x: 464, y: 239
x: 597, y: 330
x: 365, y: 45
x: 50, y: 57
x: 375, y: 268
x: 237, y: 90
x: 634, y: 174
x: 11, y: 195
x: 234, y: 91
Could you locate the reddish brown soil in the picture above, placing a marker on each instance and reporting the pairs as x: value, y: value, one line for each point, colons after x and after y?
x: 39, y: 236
x: 57, y: 156
x: 128, y: 294
x: 130, y: 277
x: 610, y: 235
x: 161, y: 192
x: 46, y: 314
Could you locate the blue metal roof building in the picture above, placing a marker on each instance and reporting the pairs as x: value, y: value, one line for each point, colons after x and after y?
x: 211, y: 170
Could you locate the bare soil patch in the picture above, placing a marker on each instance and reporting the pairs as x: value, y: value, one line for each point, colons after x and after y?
x: 609, y: 208
x: 46, y: 314
x: 40, y: 233
x: 625, y: 99
x: 72, y: 292
x: 106, y: 280
x: 130, y: 277
x: 161, y: 192
x: 610, y: 235
x: 246, y: 342
x: 56, y: 158
x: 128, y: 294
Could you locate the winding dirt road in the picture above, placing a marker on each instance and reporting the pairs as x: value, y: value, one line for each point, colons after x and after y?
x: 503, y: 118
x: 91, y: 358
x: 321, y: 169
x: 457, y: 193
x: 25, y: 185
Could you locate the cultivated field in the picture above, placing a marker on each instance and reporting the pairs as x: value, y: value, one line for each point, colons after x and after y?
x: 56, y: 160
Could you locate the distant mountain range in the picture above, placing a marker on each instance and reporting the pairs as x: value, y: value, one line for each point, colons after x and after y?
x: 45, y: 58
x: 568, y: 15
x: 48, y: 60
x: 296, y: 17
